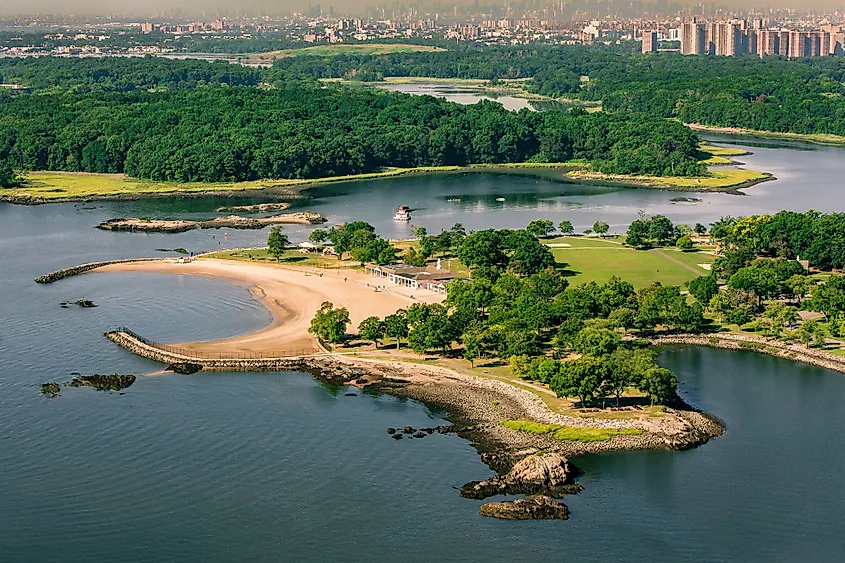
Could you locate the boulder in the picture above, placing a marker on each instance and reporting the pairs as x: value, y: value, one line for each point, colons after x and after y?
x: 548, y: 474
x: 535, y: 508
x: 184, y: 368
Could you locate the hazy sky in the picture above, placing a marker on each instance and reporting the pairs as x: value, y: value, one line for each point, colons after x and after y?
x: 210, y: 7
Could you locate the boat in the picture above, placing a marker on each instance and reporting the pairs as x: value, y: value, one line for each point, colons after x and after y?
x: 500, y: 199
x: 403, y: 213
x: 453, y: 200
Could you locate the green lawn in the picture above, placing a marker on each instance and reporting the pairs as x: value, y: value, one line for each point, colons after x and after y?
x: 573, y: 433
x: 290, y: 258
x: 352, y: 49
x: 592, y: 259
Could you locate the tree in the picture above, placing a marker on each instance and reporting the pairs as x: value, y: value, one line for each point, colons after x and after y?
x: 318, y: 236
x: 703, y: 288
x: 277, y: 242
x: 660, y: 384
x: 600, y: 228
x: 372, y: 329
x: 627, y: 369
x: 637, y: 233
x: 458, y: 234
x: 525, y: 254
x: 414, y: 258
x: 329, y: 323
x: 660, y: 229
x: 396, y: 326
x: 685, y: 243
x: 829, y: 297
x: 8, y: 178
x: 430, y: 328
x: 699, y: 229
x: 596, y: 341
x: 582, y: 378
x: 540, y: 227
x: 734, y: 306
x: 471, y: 340
x: 483, y: 249
x: 566, y: 228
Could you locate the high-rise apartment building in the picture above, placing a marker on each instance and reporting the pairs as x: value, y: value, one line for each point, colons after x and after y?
x: 783, y: 43
x: 692, y: 38
x: 649, y: 42
x: 767, y: 43
x: 728, y: 40
x: 798, y: 44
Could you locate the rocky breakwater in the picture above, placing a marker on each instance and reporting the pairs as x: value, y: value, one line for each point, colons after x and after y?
x: 137, y: 225
x: 534, y: 508
x: 82, y: 268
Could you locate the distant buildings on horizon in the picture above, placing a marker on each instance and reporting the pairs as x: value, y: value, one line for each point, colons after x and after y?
x: 741, y: 37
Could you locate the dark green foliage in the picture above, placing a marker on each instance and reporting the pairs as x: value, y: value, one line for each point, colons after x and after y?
x: 829, y: 297
x: 704, y: 288
x: 8, y: 178
x: 164, y: 127
x: 277, y: 241
x: 372, y: 329
x: 540, y: 227
x: 329, y: 323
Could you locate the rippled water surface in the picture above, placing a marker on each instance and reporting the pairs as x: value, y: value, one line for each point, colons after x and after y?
x: 268, y: 467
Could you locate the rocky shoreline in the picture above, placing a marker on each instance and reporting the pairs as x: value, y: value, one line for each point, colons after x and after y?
x: 136, y: 225
x: 793, y: 352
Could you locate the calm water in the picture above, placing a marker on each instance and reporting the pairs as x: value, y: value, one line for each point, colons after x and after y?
x: 234, y: 467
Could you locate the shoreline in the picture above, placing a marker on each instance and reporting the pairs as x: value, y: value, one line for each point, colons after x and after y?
x: 477, y: 405
x: 824, y: 139
x: 127, y: 189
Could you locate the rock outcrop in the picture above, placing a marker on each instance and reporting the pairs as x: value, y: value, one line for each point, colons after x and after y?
x: 534, y: 508
x: 184, y: 368
x: 548, y: 473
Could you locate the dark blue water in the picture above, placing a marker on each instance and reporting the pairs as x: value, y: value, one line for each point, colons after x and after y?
x: 263, y: 467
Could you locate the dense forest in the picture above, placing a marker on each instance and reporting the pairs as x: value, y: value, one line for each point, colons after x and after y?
x: 773, y: 94
x: 245, y: 133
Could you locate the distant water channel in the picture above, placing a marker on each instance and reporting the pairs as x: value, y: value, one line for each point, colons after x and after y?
x: 258, y: 467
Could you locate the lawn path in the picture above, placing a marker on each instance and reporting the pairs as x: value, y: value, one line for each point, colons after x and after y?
x: 679, y: 263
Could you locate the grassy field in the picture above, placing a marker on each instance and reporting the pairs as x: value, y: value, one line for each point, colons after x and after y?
x: 573, y: 433
x: 349, y: 49
x: 817, y: 138
x: 591, y: 259
x: 721, y: 151
x: 715, y: 179
x: 289, y: 258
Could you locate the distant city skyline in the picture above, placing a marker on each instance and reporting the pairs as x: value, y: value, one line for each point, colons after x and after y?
x: 141, y: 8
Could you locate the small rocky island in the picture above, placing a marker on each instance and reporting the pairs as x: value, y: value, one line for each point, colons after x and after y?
x: 544, y: 476
x: 109, y: 382
x: 134, y: 224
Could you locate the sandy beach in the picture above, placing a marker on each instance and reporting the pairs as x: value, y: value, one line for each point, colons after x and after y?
x: 292, y: 295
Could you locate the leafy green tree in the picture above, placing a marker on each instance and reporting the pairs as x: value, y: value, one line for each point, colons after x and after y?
x: 660, y: 384
x: 829, y: 297
x: 637, y: 234
x: 277, y: 241
x: 458, y: 234
x: 622, y: 317
x: 396, y: 326
x: 414, y: 258
x: 472, y: 342
x: 600, y: 228
x: 685, y: 243
x: 483, y: 248
x: 520, y: 366
x: 660, y: 229
x: 582, y: 378
x: 540, y: 227
x: 703, y: 288
x: 372, y: 329
x: 627, y: 369
x: 527, y: 255
x: 596, y: 341
x: 8, y: 178
x: 329, y: 323
x: 566, y: 227
x: 430, y: 328
x: 318, y: 236
x: 699, y: 229
x: 734, y: 306
x: 798, y: 286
